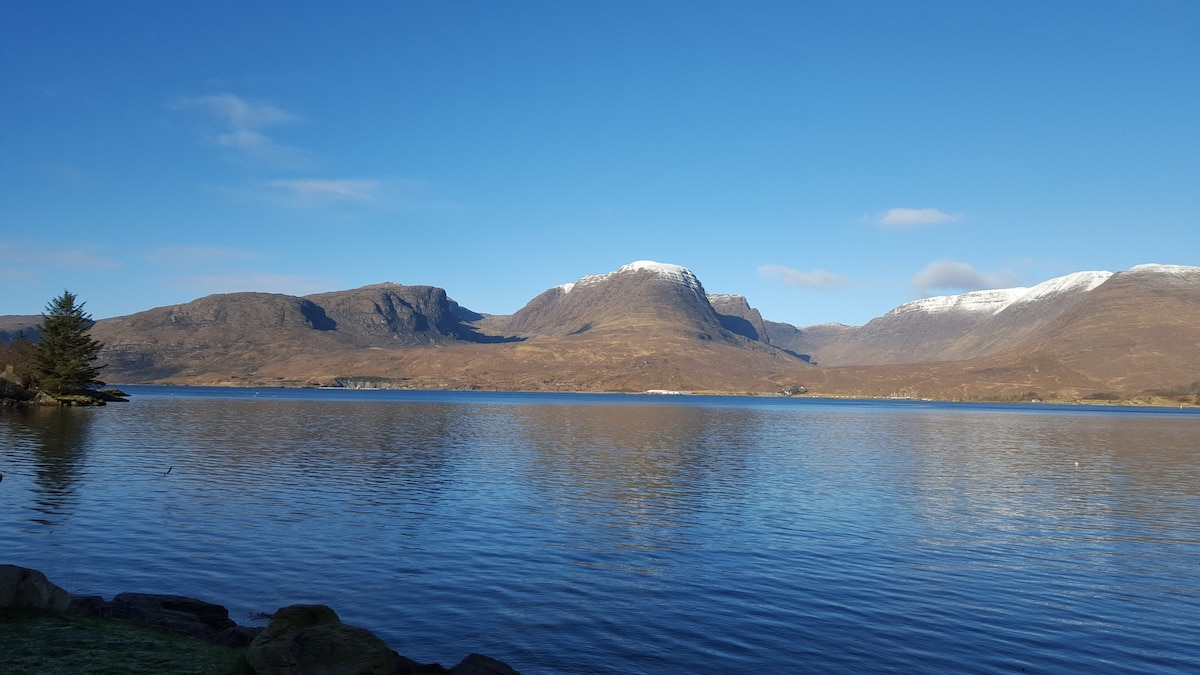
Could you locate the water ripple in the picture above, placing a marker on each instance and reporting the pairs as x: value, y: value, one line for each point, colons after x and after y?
x: 616, y: 534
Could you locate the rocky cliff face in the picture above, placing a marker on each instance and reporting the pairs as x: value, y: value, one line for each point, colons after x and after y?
x: 738, y: 317
x: 390, y: 314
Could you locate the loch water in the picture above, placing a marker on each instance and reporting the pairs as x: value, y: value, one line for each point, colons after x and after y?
x: 568, y: 533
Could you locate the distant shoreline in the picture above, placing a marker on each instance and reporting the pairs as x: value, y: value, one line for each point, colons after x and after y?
x: 1142, y: 401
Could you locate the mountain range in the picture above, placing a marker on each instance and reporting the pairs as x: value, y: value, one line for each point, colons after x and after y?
x: 652, y: 326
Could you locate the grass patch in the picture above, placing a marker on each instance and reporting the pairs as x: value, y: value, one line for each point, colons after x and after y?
x: 50, y: 642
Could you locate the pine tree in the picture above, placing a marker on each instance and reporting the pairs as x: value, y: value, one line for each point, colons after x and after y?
x: 64, y: 357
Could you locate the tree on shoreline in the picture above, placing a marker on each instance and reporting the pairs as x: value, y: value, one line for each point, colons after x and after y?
x: 63, y: 360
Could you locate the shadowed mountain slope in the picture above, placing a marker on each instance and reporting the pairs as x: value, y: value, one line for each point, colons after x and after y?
x: 13, y: 326
x: 737, y: 316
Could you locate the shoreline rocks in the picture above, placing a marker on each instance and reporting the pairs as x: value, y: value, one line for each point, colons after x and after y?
x: 298, y: 639
x: 25, y: 588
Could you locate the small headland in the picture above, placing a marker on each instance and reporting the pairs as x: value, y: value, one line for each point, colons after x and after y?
x: 14, y: 395
x: 45, y: 629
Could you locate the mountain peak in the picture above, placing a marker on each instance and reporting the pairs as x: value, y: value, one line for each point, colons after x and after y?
x: 643, y: 292
x: 666, y: 271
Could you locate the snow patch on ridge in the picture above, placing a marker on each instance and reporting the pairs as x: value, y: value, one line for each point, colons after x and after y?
x: 1175, y: 270
x: 673, y: 273
x: 1080, y: 282
x: 721, y: 297
x: 989, y: 302
x: 997, y: 300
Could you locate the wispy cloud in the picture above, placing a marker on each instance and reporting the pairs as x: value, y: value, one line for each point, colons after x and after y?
x: 243, y: 122
x: 817, y: 279
x: 956, y: 276
x: 170, y: 256
x: 75, y: 259
x: 389, y: 194
x: 47, y: 254
x: 313, y: 193
x: 16, y: 274
x: 262, y: 282
x: 902, y: 218
x: 242, y: 126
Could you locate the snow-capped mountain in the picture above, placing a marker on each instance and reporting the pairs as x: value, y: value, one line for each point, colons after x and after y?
x: 979, y: 323
x: 675, y: 274
x: 642, y: 293
x: 997, y: 300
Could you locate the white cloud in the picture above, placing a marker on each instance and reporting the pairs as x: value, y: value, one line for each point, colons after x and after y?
x: 243, y: 121
x: 902, y: 218
x: 950, y: 275
x: 817, y: 279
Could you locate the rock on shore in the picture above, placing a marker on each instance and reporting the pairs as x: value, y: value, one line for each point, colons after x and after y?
x: 298, y: 640
x: 24, y: 588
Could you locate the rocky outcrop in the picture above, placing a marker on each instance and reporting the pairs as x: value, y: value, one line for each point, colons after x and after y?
x: 25, y: 588
x: 312, y: 639
x: 478, y: 664
x: 384, y: 315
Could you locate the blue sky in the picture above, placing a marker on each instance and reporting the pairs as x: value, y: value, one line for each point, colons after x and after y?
x: 828, y: 160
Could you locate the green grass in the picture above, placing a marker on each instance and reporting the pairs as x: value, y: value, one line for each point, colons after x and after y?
x: 47, y: 642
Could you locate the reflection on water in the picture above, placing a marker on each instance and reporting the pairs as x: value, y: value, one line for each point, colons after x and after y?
x: 620, y: 534
x: 55, y: 440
